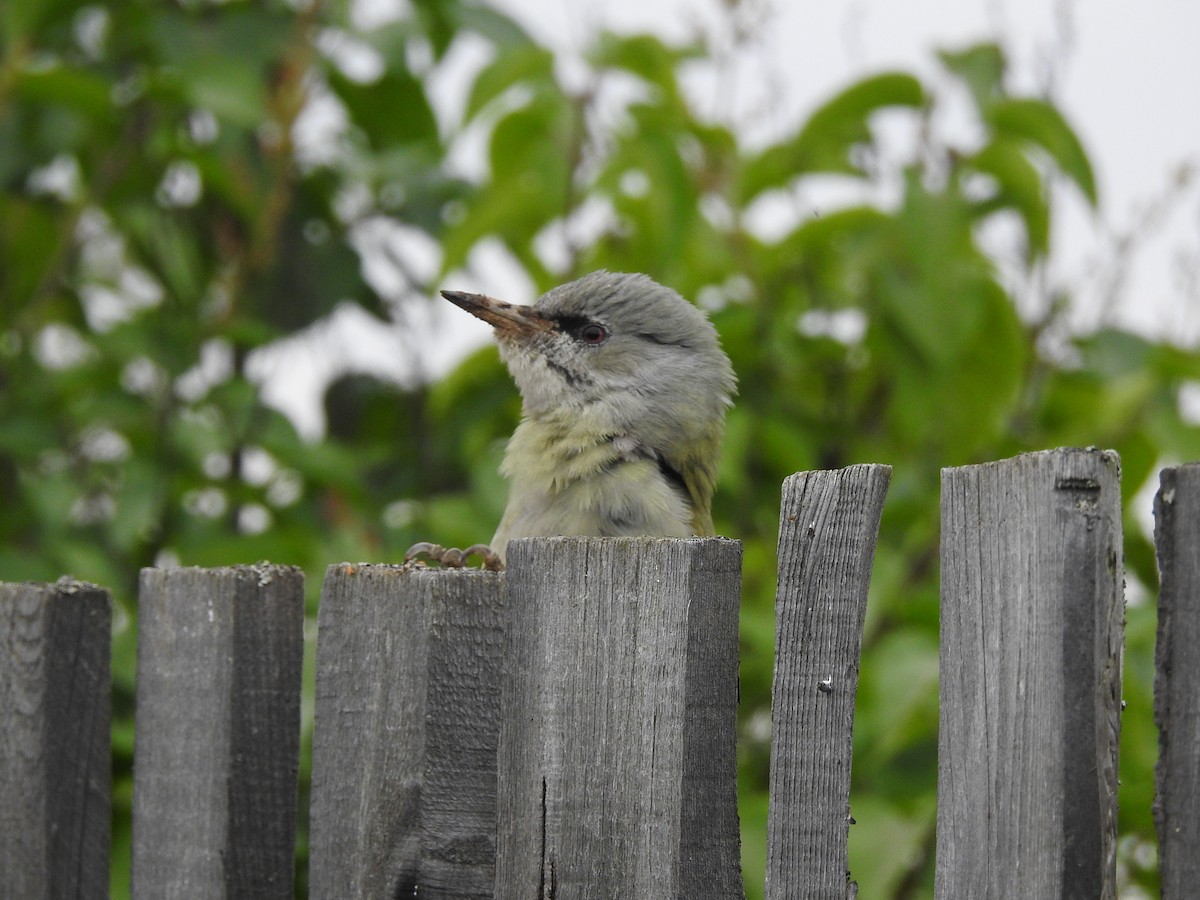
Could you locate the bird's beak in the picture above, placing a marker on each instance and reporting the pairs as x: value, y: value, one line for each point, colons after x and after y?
x: 507, y: 318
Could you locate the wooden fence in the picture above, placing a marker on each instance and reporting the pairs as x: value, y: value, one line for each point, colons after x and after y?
x: 567, y: 729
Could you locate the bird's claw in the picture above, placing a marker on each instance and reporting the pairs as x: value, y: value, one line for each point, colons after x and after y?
x: 452, y: 557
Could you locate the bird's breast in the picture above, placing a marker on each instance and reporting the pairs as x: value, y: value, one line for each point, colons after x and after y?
x: 568, y: 481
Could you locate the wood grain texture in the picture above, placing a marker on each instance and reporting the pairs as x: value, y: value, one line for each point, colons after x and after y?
x: 404, y: 742
x: 617, y: 744
x: 1177, y: 681
x: 55, y: 780
x: 829, y: 525
x: 1032, y: 617
x: 217, y: 738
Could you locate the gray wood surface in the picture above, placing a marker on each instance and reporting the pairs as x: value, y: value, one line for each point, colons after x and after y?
x: 617, y: 742
x: 1032, y: 616
x: 1177, y: 681
x: 828, y: 527
x: 217, y: 737
x: 56, y: 697
x: 404, y: 742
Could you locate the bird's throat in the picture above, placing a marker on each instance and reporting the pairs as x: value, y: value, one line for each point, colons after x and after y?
x: 551, y: 454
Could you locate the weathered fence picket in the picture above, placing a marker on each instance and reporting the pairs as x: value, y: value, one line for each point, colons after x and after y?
x: 617, y: 763
x: 567, y: 728
x: 405, y: 732
x: 217, y: 742
x: 1177, y: 681
x: 55, y: 697
x: 1032, y: 618
x: 828, y: 526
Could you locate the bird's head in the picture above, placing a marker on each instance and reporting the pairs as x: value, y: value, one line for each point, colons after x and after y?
x: 619, y: 350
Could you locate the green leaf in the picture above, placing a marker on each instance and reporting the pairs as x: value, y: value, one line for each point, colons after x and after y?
x: 51, y: 498
x: 392, y: 40
x: 221, y: 63
x: 1020, y: 186
x: 664, y: 214
x: 494, y: 26
x: 140, y: 504
x: 1116, y: 354
x: 440, y: 21
x: 391, y: 111
x: 900, y: 691
x: 825, y: 142
x: 530, y: 160
x: 517, y: 66
x: 1039, y: 123
x: 30, y: 232
x: 234, y: 93
x: 829, y: 243
x: 24, y: 434
x: 472, y: 407
x: 20, y: 20
x: 935, y: 283
x: 166, y: 245
x: 962, y: 401
x: 885, y: 840
x: 308, y: 279
x: 982, y: 68
x: 78, y: 89
x: 645, y: 56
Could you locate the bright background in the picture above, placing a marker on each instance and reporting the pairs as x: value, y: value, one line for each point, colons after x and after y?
x: 1121, y: 76
x: 214, y: 211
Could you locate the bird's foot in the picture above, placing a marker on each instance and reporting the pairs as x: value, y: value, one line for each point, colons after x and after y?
x: 452, y: 557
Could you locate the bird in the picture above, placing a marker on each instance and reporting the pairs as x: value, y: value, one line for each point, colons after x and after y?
x: 624, y: 391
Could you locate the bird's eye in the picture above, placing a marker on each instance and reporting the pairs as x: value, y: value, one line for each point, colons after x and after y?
x: 593, y: 333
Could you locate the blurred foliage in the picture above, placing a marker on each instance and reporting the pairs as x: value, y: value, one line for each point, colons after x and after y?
x: 187, y: 185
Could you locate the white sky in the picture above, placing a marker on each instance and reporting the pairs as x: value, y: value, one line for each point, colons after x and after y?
x: 1126, y: 75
